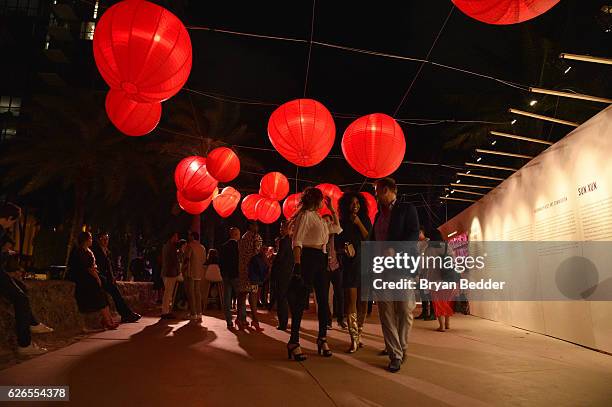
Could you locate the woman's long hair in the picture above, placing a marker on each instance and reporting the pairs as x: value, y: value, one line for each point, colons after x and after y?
x: 344, y: 206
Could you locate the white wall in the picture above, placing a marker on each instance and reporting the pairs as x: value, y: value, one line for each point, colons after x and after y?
x: 543, y: 201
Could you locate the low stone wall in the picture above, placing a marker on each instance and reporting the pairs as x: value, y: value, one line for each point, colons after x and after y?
x: 53, y: 303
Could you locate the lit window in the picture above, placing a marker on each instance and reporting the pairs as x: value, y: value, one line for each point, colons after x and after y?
x: 95, y: 13
x: 10, y: 104
x: 7, y: 134
x: 87, y: 30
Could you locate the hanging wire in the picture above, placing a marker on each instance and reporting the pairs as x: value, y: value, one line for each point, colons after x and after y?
x: 418, y: 72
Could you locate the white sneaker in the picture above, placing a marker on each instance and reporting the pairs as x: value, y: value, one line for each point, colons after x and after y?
x: 40, y: 329
x: 31, y: 350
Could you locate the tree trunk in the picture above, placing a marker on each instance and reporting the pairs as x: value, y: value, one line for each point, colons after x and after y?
x: 80, y: 193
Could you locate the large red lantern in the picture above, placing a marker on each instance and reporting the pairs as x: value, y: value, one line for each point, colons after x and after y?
x: 302, y: 131
x: 248, y: 206
x: 274, y: 185
x: 223, y: 164
x: 193, y: 180
x: 131, y: 118
x: 290, y: 206
x: 226, y: 202
x: 197, y: 207
x: 268, y: 210
x: 332, y: 191
x: 372, y: 205
x: 374, y: 145
x: 143, y: 49
x: 504, y: 12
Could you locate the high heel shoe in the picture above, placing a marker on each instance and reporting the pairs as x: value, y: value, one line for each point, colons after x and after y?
x: 241, y: 325
x: 353, y: 333
x: 295, y: 352
x: 323, y: 348
x: 255, y: 325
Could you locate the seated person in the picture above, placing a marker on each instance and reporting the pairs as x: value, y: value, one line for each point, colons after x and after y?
x: 107, y: 277
x: 14, y: 290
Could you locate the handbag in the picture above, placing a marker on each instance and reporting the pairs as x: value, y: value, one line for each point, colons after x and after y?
x: 349, y: 250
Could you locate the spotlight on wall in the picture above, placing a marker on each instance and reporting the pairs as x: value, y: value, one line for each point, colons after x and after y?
x: 533, y: 103
x: 478, y: 159
x: 513, y: 121
x: 453, y: 191
x: 452, y: 234
x: 468, y: 171
x: 458, y: 181
x: 569, y: 68
x: 494, y: 142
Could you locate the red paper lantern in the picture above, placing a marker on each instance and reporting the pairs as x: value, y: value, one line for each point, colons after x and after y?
x: 223, y: 164
x: 268, y: 210
x: 193, y: 180
x: 374, y: 145
x: 194, y: 208
x: 143, y: 49
x: 248, y: 206
x: 332, y: 191
x: 372, y: 205
x: 302, y: 131
x: 226, y: 202
x: 290, y: 206
x: 131, y: 118
x: 274, y: 185
x: 504, y: 12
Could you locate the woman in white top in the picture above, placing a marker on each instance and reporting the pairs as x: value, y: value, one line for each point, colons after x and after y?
x: 310, y: 237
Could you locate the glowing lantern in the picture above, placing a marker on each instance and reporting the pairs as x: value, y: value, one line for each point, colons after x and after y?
x: 372, y: 205
x: 223, y: 164
x: 129, y: 117
x: 302, y: 131
x: 274, y: 185
x: 143, y: 49
x: 504, y: 12
x: 332, y: 191
x: 374, y: 145
x: 194, y: 208
x: 226, y: 202
x: 193, y: 180
x: 248, y: 206
x: 290, y: 206
x: 268, y: 210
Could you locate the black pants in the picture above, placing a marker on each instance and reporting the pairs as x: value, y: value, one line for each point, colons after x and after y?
x: 280, y: 296
x: 314, y: 274
x: 15, y: 292
x: 335, y: 278
x: 122, y: 308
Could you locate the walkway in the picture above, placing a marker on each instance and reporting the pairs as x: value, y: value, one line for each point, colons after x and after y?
x: 477, y: 363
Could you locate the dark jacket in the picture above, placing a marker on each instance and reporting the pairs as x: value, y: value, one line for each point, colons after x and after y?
x: 403, y: 225
x: 228, y: 260
x: 282, y: 265
x: 257, y: 269
x: 170, y: 263
x: 104, y: 262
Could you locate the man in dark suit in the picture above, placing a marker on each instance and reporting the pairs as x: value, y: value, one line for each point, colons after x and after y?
x: 281, y: 275
x: 228, y: 263
x: 395, y: 222
x: 104, y: 262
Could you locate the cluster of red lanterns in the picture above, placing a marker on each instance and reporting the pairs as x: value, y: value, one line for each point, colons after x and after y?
x: 265, y: 205
x: 303, y: 132
x: 196, y: 180
x: 143, y: 52
x: 504, y: 12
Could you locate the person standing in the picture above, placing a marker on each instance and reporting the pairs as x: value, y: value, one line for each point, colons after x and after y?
x: 195, y: 255
x: 88, y: 291
x: 228, y: 262
x: 281, y: 274
x: 427, y: 313
x: 105, y: 270
x: 309, y: 242
x: 14, y: 291
x: 397, y: 222
x: 442, y: 308
x: 334, y: 274
x: 170, y: 272
x: 249, y: 246
x: 355, y: 225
